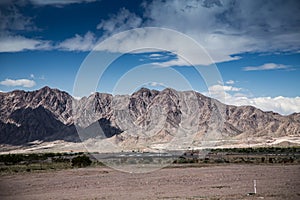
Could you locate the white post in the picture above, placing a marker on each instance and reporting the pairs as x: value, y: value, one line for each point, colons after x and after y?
x: 254, y: 183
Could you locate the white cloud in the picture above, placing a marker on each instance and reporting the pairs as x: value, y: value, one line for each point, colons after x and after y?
x: 230, y: 82
x: 11, y: 19
x: 77, y: 98
x: 267, y: 66
x: 155, y: 55
x: 232, y: 96
x: 156, y: 84
x: 124, y: 20
x: 282, y: 105
x: 79, y: 43
x: 10, y: 43
x: 229, y: 27
x: 18, y: 82
x: 223, y: 28
x: 31, y: 75
x: 221, y: 92
x: 226, y: 88
x: 160, y: 39
x: 174, y: 62
x: 159, y: 56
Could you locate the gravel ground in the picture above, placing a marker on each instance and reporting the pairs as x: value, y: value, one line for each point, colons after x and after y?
x: 211, y: 182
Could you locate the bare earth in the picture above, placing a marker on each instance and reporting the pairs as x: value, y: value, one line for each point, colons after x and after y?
x: 212, y: 182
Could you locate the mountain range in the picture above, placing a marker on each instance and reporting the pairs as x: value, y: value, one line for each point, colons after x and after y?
x: 145, y: 119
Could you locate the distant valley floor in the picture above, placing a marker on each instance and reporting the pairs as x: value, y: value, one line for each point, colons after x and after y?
x: 63, y: 146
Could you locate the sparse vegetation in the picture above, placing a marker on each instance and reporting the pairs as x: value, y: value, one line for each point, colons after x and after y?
x: 81, y: 161
x: 260, y: 155
x: 12, y: 163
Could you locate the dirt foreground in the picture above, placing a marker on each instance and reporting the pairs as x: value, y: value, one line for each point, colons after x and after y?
x: 212, y: 182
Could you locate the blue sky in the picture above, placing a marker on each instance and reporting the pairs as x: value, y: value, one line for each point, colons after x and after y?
x: 255, y: 45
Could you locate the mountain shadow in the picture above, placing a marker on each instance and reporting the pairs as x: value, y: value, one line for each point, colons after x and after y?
x: 35, y: 124
x: 100, y: 129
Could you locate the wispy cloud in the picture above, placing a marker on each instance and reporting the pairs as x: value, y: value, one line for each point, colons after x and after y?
x: 160, y: 56
x: 10, y: 43
x: 155, y: 55
x: 178, y: 61
x: 18, y: 82
x: 79, y: 43
x: 122, y: 21
x: 267, y: 66
x: 230, y: 82
x: 156, y: 84
x: 12, y: 21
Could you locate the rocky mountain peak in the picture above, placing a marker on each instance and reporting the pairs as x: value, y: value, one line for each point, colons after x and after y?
x: 55, y: 113
x: 145, y: 92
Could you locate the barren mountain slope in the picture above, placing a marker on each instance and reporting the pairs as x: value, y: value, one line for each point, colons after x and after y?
x: 146, y: 115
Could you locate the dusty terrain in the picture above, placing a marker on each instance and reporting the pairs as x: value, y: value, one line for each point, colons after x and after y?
x: 212, y: 182
x: 63, y: 146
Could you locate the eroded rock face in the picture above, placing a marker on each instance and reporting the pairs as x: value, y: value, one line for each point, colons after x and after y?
x: 59, y: 103
x: 50, y: 114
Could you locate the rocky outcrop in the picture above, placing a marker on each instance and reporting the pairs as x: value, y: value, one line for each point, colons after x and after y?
x: 50, y: 114
x: 29, y: 124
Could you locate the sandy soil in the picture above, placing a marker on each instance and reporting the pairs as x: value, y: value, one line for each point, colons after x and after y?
x: 213, y: 182
x: 63, y: 146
